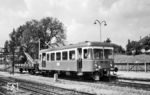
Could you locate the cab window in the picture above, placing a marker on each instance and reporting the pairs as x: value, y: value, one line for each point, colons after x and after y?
x: 98, y: 53
x: 44, y: 56
x: 87, y: 53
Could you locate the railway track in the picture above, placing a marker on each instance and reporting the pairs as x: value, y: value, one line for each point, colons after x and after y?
x: 144, y: 85
x: 42, y: 89
x: 129, y: 83
x: 37, y: 90
x: 48, y: 88
x: 3, y: 91
x: 119, y: 82
x: 134, y: 84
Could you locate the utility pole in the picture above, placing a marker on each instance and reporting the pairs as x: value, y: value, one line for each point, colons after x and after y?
x: 13, y: 63
x: 39, y: 48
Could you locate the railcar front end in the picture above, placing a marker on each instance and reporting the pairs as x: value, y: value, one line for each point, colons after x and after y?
x: 97, y: 61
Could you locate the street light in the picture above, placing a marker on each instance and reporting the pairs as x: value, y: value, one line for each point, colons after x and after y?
x: 100, y: 26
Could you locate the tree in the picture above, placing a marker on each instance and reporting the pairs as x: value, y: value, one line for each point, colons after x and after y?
x: 53, y: 28
x: 6, y: 46
x: 146, y: 44
x: 26, y: 36
x: 128, y: 48
x: 119, y: 49
x: 13, y: 41
x: 133, y: 47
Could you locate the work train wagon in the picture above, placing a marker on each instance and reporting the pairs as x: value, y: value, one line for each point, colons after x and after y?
x: 94, y: 59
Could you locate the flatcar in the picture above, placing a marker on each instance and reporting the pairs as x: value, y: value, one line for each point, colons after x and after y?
x: 92, y: 59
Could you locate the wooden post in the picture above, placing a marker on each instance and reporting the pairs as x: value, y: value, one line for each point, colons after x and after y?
x: 145, y: 67
x: 136, y: 67
x: 109, y: 75
x: 127, y: 66
x: 55, y: 77
x: 13, y: 64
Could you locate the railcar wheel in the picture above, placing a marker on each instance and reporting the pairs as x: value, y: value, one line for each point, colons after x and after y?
x: 29, y: 71
x: 32, y: 72
x: 96, y: 76
x: 116, y: 69
x: 21, y: 70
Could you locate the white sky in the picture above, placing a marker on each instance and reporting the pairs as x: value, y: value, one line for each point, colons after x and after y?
x: 126, y: 19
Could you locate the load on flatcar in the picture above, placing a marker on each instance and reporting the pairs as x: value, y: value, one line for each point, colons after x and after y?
x: 93, y: 59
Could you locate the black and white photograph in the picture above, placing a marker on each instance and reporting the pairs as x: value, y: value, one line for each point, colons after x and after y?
x: 74, y: 47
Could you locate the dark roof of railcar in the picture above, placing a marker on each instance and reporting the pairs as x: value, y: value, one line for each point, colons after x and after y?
x: 81, y: 44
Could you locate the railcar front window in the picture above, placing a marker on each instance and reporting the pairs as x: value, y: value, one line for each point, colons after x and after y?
x: 87, y: 53
x: 108, y: 53
x: 98, y: 53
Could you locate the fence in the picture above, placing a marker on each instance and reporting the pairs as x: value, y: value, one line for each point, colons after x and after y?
x: 133, y: 66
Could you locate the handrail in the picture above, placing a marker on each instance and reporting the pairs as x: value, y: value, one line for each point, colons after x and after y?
x: 29, y: 57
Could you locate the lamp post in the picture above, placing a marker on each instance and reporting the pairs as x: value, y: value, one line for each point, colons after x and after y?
x: 100, y: 22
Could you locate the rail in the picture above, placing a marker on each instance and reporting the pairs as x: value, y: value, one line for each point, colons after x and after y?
x: 42, y: 89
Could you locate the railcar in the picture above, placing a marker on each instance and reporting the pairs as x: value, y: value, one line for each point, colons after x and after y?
x: 93, y: 59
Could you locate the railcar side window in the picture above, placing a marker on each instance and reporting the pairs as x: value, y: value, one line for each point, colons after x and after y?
x: 64, y: 55
x: 48, y: 57
x: 58, y: 56
x: 72, y: 55
x: 52, y: 56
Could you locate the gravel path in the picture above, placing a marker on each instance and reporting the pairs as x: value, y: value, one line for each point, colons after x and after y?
x: 95, y: 88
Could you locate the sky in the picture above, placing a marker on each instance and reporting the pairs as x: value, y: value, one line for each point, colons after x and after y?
x: 126, y: 19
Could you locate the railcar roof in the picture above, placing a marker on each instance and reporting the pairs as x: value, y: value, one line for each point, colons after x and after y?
x: 81, y: 44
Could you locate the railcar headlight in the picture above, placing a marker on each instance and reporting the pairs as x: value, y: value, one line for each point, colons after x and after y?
x: 99, y: 67
x: 110, y: 64
x: 95, y: 65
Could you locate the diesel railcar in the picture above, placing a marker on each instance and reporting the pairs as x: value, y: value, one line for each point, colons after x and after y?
x: 93, y: 59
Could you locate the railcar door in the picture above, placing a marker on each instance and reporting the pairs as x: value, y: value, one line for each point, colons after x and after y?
x: 79, y: 59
